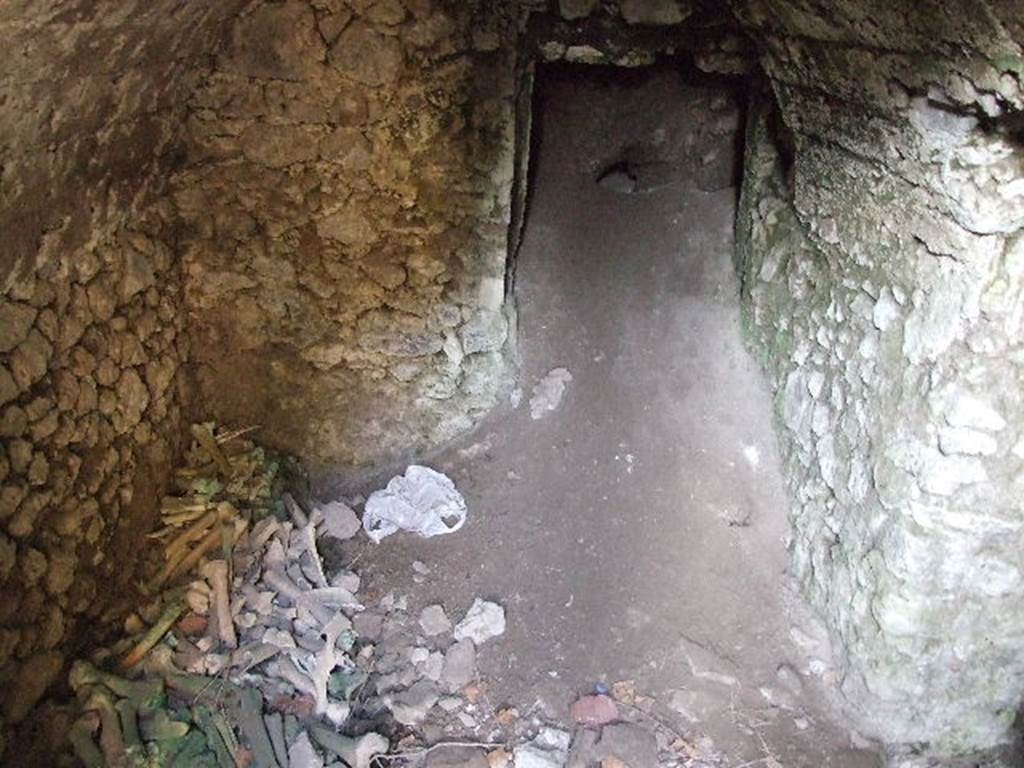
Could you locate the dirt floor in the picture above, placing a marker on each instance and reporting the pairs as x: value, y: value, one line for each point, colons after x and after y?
x: 638, y: 530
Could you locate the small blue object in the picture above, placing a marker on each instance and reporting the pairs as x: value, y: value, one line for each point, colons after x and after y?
x: 601, y: 689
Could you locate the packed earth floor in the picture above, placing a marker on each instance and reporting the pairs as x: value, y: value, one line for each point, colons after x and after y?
x: 637, y: 529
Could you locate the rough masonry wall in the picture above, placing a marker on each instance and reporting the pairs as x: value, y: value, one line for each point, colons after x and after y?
x: 347, y: 204
x: 882, y: 261
x: 91, y: 343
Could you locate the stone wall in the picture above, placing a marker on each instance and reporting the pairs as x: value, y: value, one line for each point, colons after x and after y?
x: 347, y: 204
x: 882, y: 260
x: 91, y: 342
x: 318, y: 195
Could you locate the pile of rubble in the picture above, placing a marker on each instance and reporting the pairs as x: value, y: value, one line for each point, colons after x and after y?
x: 252, y: 654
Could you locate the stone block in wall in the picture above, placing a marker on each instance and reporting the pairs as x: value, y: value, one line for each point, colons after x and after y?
x: 576, y: 9
x: 655, y: 12
x: 273, y: 41
x: 367, y: 56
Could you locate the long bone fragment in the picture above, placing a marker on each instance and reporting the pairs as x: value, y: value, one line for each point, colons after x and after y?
x: 216, y: 573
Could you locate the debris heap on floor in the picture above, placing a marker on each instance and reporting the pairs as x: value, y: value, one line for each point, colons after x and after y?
x: 252, y: 654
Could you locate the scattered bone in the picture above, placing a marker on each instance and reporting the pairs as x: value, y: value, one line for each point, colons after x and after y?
x: 281, y: 630
x: 216, y: 573
x: 308, y: 534
x: 302, y: 754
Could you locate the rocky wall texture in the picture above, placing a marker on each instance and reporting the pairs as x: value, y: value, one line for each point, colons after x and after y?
x: 91, y: 347
x: 347, y: 206
x: 882, y: 259
x: 91, y: 342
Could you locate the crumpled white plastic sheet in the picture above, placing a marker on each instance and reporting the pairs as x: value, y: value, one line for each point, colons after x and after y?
x: 422, y: 501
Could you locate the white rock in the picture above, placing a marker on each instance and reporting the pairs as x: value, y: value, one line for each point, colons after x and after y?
x: 965, y: 410
x: 482, y: 621
x: 434, y: 621
x: 450, y: 703
x: 347, y: 580
x: 944, y: 476
x: 340, y: 521
x: 459, y: 666
x: 529, y: 756
x: 970, y: 442
x: 548, y: 393
x: 433, y: 666
x: 886, y: 311
x: 553, y: 739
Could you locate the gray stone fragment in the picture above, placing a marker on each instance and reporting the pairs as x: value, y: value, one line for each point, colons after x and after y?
x: 554, y: 739
x: 340, y: 521
x: 483, y: 332
x: 459, y: 668
x: 582, y: 754
x: 457, y: 757
x: 411, y: 707
x: 532, y: 756
x: 434, y: 621
x: 482, y: 621
x: 433, y: 666
x: 368, y: 626
x: 548, y: 392
x: 632, y: 744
